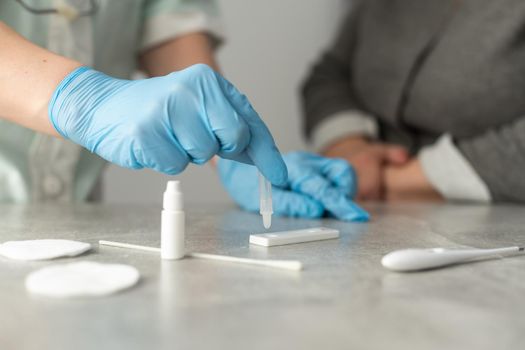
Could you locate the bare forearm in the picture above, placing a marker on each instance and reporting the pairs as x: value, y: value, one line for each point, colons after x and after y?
x: 178, y: 54
x: 29, y: 75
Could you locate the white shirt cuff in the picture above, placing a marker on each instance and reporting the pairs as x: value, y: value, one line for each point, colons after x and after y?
x: 164, y: 27
x: 450, y: 172
x: 346, y: 123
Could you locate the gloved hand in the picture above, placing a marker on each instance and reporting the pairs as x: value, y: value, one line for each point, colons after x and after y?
x: 315, y: 185
x: 163, y: 123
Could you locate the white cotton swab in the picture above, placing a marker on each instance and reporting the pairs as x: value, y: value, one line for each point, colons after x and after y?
x: 279, y: 264
x: 129, y: 246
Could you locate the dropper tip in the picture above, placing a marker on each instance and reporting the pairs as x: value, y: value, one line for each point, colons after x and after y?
x: 267, y: 220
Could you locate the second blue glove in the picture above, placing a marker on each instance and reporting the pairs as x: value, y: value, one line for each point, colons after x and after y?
x: 315, y: 185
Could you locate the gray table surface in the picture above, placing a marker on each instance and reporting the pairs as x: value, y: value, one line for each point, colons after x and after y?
x: 343, y: 299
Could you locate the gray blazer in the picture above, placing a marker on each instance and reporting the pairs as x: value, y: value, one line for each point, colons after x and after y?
x: 424, y: 68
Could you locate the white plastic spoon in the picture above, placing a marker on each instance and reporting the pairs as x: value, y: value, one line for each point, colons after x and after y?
x: 420, y: 259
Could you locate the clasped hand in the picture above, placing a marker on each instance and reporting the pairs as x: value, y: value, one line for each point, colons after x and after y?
x: 385, y: 171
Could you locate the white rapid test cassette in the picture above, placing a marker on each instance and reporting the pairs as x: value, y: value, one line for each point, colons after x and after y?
x: 292, y: 237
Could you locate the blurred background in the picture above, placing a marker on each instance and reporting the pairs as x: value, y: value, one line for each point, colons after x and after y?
x: 269, y: 48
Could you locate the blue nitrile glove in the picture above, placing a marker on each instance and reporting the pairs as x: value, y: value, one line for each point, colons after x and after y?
x: 315, y: 184
x: 163, y: 123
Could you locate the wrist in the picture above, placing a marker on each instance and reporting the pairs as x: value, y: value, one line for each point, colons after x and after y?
x: 76, y: 99
x: 58, y: 100
x: 59, y: 71
x: 343, y: 147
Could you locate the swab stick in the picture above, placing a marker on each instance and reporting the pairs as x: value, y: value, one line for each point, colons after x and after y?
x: 279, y: 264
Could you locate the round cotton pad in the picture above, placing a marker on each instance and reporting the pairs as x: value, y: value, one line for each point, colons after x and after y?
x: 42, y: 249
x: 81, y: 279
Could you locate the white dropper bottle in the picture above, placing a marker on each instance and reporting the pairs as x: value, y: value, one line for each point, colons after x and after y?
x: 172, y: 223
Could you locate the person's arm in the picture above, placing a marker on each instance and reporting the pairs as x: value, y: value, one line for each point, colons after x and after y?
x: 29, y: 75
x: 483, y: 168
x: 331, y: 111
x: 450, y: 173
x: 498, y: 157
x: 162, y: 123
x: 336, y: 125
x: 493, y: 163
x: 178, y: 54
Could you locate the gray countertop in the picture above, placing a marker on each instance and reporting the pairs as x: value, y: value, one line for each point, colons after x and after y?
x: 343, y: 299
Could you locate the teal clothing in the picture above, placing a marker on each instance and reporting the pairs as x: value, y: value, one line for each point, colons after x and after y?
x: 37, y: 167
